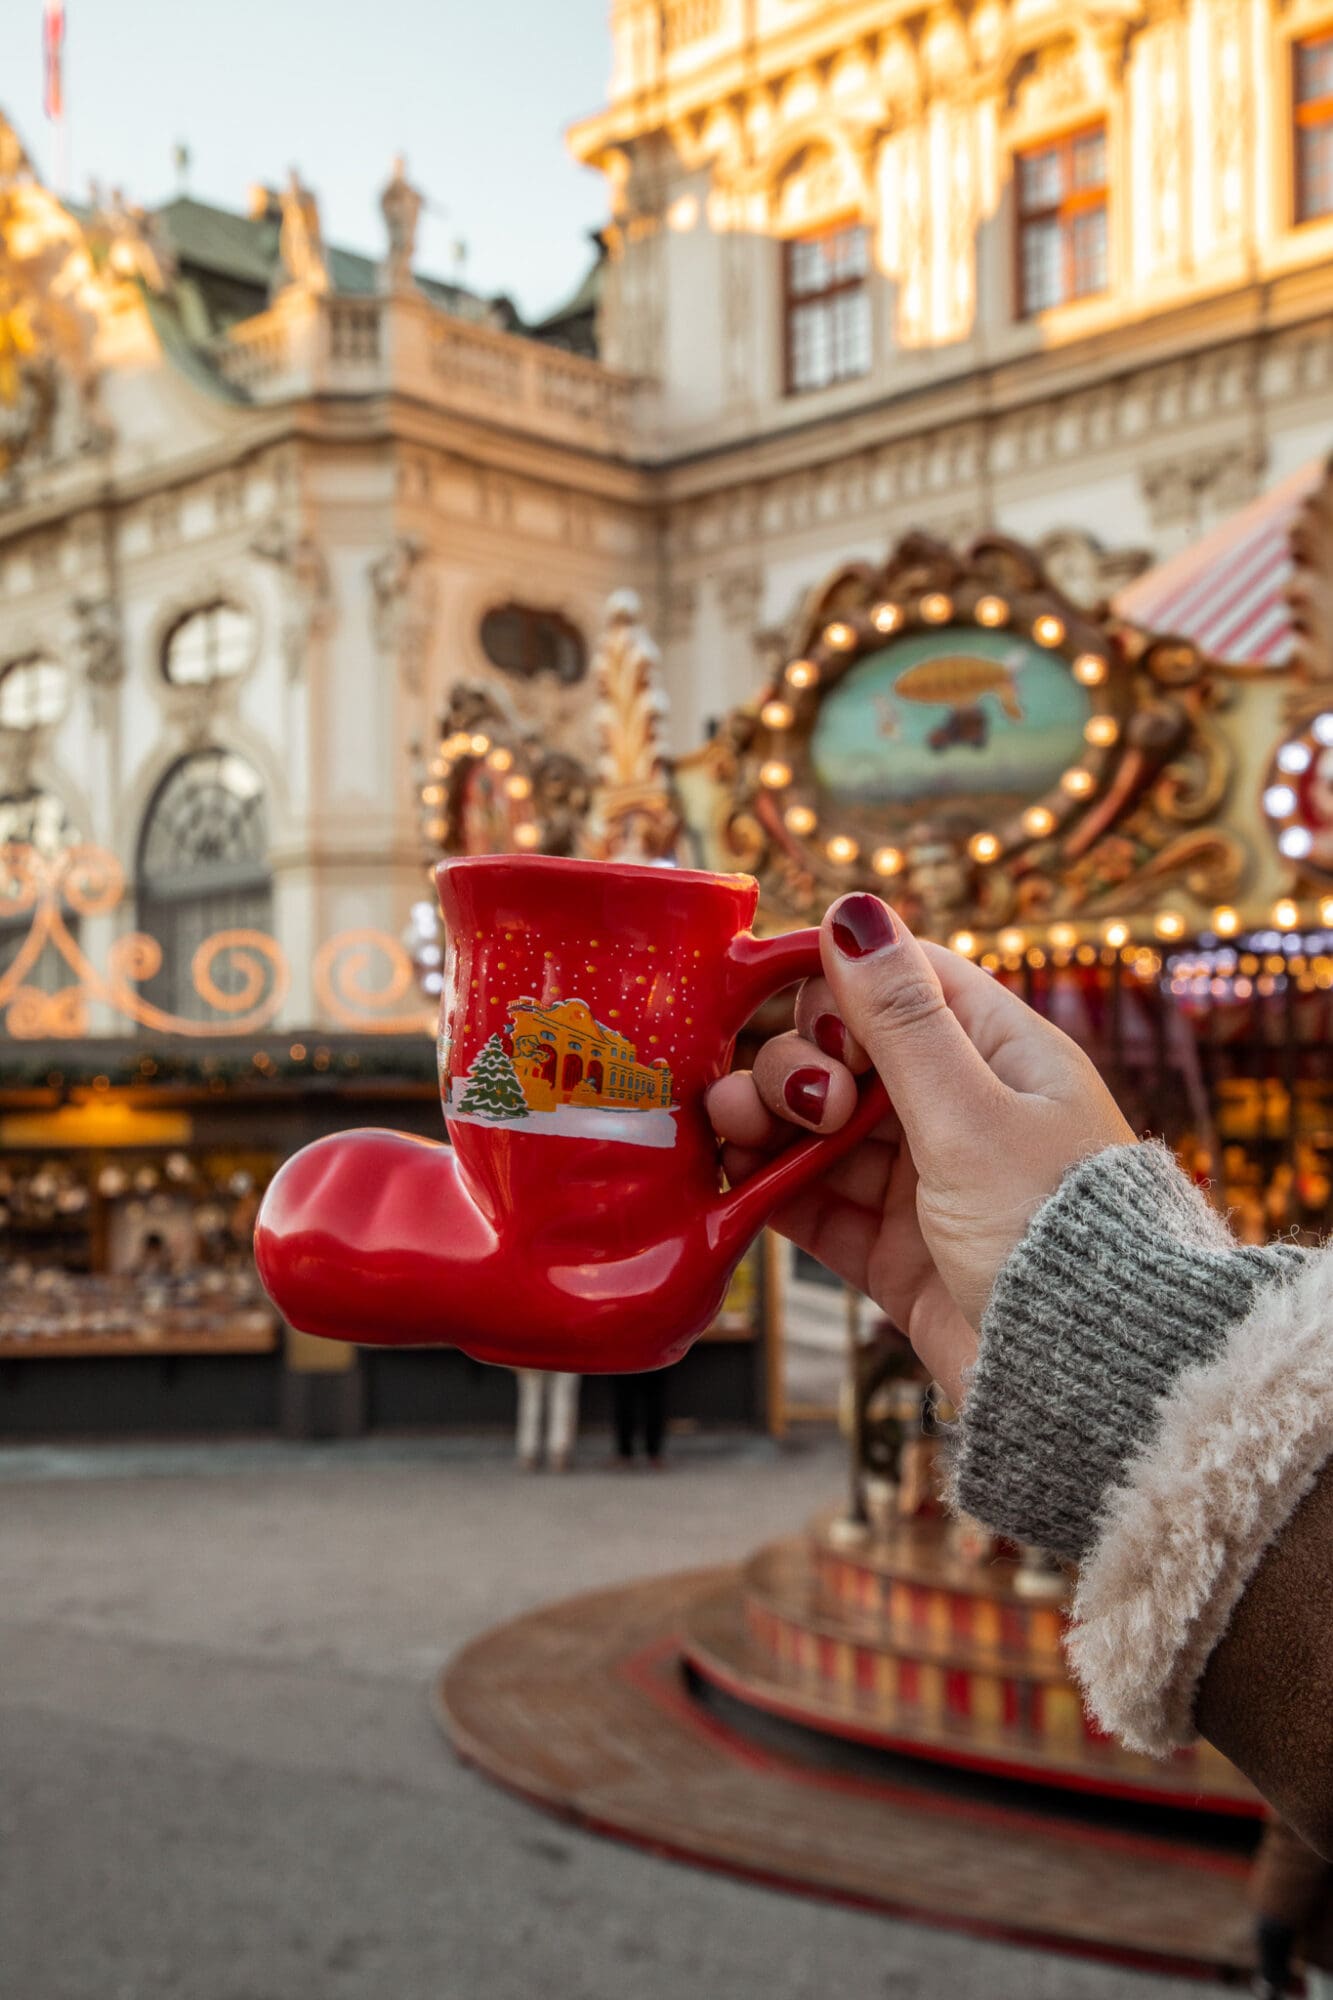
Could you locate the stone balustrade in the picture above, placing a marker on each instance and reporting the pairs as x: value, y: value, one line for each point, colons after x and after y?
x: 310, y: 345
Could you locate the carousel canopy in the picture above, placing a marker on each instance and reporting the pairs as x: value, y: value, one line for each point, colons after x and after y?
x: 1230, y: 592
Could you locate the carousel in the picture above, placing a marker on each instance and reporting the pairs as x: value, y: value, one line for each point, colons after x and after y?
x: 1132, y: 826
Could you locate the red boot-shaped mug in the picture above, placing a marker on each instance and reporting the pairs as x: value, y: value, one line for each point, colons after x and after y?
x: 577, y: 1221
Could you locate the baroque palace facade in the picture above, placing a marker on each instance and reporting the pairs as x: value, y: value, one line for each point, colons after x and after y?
x: 1062, y: 270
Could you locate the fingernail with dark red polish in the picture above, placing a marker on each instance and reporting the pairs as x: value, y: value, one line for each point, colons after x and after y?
x: 830, y: 1036
x: 862, y: 926
x: 805, y: 1091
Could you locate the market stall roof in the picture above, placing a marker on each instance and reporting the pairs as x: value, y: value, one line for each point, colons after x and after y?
x: 1228, y: 593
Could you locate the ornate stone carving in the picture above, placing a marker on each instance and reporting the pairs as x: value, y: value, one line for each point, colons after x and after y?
x: 740, y: 594
x: 400, y: 205
x: 99, y: 642
x: 1088, y: 574
x: 48, y: 381
x: 309, y: 589
x: 131, y: 242
x: 402, y: 603
x: 302, y: 259
x: 1220, y: 479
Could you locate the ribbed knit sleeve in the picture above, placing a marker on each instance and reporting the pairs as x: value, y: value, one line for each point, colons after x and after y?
x: 1125, y: 1278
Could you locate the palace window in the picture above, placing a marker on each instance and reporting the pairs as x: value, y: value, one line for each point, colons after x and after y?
x: 1062, y: 221
x: 524, y: 641
x: 1313, y: 95
x: 213, y: 643
x: 37, y: 820
x: 203, y: 867
x: 826, y: 307
x: 33, y: 693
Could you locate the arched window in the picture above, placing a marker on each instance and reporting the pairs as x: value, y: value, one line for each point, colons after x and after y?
x: 203, y: 867
x: 524, y: 641
x: 33, y: 693
x: 38, y: 820
x: 213, y: 643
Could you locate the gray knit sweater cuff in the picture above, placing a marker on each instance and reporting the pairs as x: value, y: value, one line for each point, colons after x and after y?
x: 1125, y: 1277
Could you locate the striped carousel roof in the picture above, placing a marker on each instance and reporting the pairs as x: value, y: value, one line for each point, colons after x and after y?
x: 1228, y: 592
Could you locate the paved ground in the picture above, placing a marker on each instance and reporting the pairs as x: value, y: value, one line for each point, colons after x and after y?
x: 219, y: 1778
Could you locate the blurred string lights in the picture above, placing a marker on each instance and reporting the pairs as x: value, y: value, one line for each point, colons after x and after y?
x: 1232, y: 953
x: 788, y: 707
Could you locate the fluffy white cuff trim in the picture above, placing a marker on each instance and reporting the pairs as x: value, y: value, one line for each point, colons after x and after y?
x: 1240, y: 1443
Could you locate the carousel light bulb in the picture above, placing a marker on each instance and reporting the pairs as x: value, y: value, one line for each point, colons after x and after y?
x: 518, y: 787
x: 432, y: 795
x: 776, y: 715
x: 1048, y: 630
x: 1322, y: 729
x: 886, y: 617
x: 1279, y: 800
x: 840, y: 635
x: 842, y: 849
x: 436, y: 829
x: 1116, y: 934
x: 501, y: 760
x: 802, y: 673
x: 963, y: 942
x: 1101, y: 731
x: 1226, y: 921
x: 775, y: 774
x: 1038, y: 821
x: 1090, y: 670
x: 800, y: 819
x: 479, y: 745
x: 1063, y: 937
x: 1012, y: 942
x: 1169, y: 924
x: 1285, y: 914
x: 1293, y: 758
x: 936, y: 608
x: 527, y: 834
x: 1077, y: 782
x: 438, y: 767
x: 1326, y: 911
x: 1295, y: 842
x: 888, y: 861
x: 991, y: 611
x: 983, y: 846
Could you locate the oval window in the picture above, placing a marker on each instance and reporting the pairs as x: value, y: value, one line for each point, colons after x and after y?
x: 32, y: 694
x: 214, y: 643
x: 524, y: 641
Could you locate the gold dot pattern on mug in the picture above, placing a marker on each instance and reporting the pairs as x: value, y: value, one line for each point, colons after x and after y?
x: 643, y: 991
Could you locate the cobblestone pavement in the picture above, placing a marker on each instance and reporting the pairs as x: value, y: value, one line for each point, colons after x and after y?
x: 220, y: 1780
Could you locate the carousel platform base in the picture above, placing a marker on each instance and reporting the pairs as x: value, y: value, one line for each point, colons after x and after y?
x: 654, y: 1715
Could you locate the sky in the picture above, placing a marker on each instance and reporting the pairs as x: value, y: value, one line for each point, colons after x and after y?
x: 477, y: 97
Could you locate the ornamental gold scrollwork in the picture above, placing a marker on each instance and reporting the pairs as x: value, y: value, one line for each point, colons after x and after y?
x: 346, y: 993
x: 242, y: 976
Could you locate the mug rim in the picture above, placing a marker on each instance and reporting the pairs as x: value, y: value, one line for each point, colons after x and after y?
x: 569, y: 864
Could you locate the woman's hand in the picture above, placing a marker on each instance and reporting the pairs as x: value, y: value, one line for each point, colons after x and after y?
x: 991, y: 1106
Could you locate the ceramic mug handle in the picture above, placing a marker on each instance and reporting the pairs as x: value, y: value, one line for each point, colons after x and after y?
x: 761, y: 967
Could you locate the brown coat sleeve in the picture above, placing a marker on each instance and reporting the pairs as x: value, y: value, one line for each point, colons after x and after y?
x: 1266, y: 1698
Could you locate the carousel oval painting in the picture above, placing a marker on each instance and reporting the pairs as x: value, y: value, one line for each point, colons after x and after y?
x: 951, y: 712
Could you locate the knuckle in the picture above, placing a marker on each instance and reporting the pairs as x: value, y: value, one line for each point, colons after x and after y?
x: 912, y: 1002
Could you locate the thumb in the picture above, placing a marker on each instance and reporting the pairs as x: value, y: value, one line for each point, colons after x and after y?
x: 890, y: 997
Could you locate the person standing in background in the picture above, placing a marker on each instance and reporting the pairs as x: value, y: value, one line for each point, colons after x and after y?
x: 1291, y: 1890
x: 638, y: 1404
x: 548, y: 1419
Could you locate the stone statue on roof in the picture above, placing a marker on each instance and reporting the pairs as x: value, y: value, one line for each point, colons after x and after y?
x: 302, y: 259
x: 401, y: 205
x: 14, y: 162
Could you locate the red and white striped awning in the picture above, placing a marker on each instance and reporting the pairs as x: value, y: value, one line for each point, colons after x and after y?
x: 1228, y: 592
